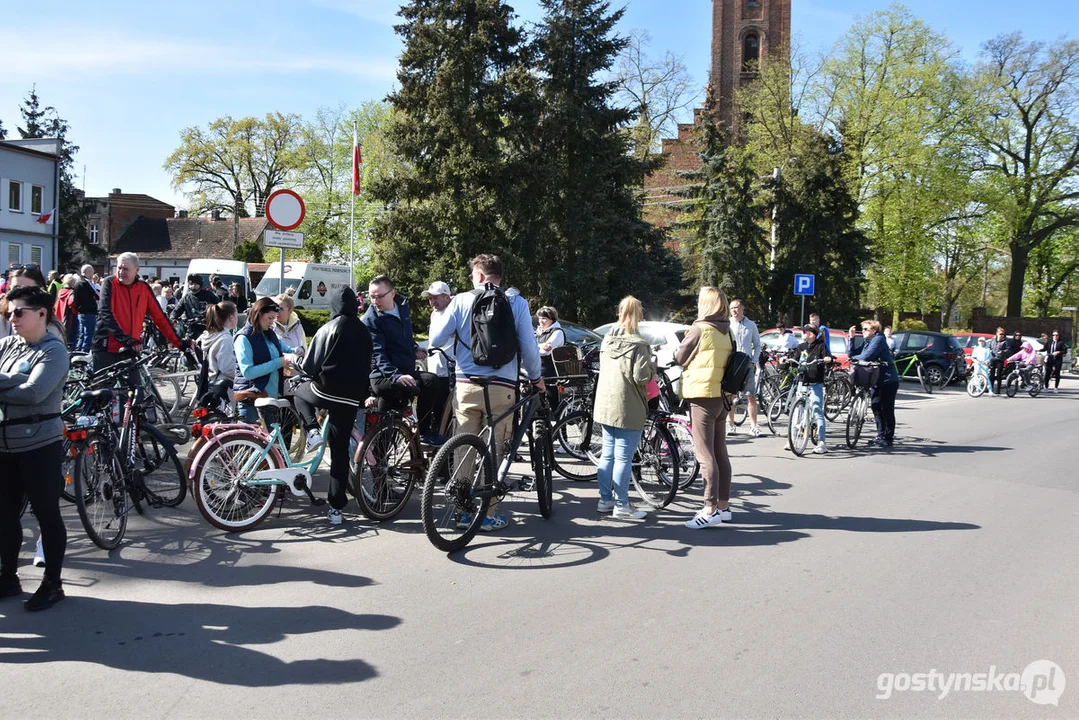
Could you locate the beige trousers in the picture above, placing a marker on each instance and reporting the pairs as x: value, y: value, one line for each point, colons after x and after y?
x: 469, y: 408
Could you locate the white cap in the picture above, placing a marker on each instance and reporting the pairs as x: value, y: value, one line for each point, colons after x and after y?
x: 437, y: 288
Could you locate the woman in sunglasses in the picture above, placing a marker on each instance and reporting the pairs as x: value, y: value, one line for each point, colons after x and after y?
x: 33, y: 368
x: 26, y: 276
x: 261, y: 359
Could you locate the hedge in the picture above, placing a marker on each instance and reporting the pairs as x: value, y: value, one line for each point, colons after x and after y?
x: 312, y: 320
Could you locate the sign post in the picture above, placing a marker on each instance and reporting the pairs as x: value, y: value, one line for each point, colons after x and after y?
x: 285, y: 211
x: 804, y: 285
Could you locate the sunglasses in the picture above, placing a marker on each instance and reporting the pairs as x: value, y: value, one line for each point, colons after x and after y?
x: 25, y: 267
x: 18, y: 312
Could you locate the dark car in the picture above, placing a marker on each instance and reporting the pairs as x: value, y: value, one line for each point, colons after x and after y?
x: 577, y: 335
x: 940, y: 352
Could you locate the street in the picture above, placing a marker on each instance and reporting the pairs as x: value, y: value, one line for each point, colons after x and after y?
x: 841, y: 579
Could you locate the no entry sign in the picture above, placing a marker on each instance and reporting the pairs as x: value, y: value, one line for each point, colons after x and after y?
x: 285, y: 209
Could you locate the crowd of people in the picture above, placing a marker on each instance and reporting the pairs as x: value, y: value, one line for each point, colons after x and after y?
x: 255, y: 349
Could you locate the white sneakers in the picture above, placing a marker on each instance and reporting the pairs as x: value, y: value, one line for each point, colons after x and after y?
x: 39, y: 555
x: 605, y: 506
x: 821, y: 449
x: 705, y: 519
x: 336, y: 518
x: 314, y: 439
x: 755, y: 430
x: 628, y: 512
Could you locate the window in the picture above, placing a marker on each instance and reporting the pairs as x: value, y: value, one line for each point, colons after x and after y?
x: 751, y: 53
x: 14, y: 254
x: 93, y: 234
x: 37, y: 193
x: 305, y: 291
x: 35, y: 255
x: 14, y: 195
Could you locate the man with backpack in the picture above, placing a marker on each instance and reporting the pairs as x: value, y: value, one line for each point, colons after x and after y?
x: 492, y: 335
x: 394, y: 377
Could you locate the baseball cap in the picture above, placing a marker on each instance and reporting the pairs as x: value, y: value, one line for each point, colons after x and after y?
x: 810, y: 329
x: 437, y: 288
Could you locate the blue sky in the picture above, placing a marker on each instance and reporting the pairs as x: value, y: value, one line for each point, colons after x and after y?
x: 128, y: 75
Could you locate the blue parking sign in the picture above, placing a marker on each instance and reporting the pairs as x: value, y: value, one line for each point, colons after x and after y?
x: 803, y: 284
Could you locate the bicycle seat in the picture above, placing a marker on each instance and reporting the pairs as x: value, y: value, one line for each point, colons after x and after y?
x: 91, y: 397
x: 479, y: 380
x: 272, y: 402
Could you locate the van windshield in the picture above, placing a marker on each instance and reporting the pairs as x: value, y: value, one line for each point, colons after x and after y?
x: 272, y: 285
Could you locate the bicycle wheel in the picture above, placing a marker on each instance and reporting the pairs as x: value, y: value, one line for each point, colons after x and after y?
x: 769, y: 390
x: 977, y: 385
x: 774, y: 415
x: 1012, y: 388
x: 837, y: 395
x: 1036, y: 383
x: 162, y: 472
x: 576, y: 441
x: 539, y: 448
x: 226, y: 499
x: 689, y: 467
x: 292, y: 430
x: 927, y: 387
x: 655, y: 466
x: 450, y: 508
x: 798, y: 429
x: 100, y: 495
x: 67, y: 467
x: 385, y: 471
x: 855, y: 421
x: 739, y: 411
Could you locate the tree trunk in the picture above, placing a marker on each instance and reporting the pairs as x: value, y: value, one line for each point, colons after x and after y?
x: 236, y: 226
x: 1020, y: 261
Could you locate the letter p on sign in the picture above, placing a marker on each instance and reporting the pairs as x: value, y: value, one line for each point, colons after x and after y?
x: 803, y: 284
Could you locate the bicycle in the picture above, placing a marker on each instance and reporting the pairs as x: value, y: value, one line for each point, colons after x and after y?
x: 1014, y: 381
x: 863, y: 380
x: 978, y: 384
x: 914, y: 360
x: 461, y: 480
x: 801, y: 429
x: 116, y: 462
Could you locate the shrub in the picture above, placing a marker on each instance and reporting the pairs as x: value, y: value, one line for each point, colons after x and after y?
x: 912, y: 325
x: 312, y: 320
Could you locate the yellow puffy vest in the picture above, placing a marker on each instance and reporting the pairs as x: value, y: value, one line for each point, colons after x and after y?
x: 703, y: 377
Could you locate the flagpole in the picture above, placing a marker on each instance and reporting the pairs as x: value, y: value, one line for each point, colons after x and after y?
x: 352, y: 240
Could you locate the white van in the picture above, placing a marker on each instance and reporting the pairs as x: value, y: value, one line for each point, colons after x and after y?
x: 230, y: 271
x: 312, y: 283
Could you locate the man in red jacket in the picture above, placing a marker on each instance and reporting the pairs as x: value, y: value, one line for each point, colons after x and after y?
x: 125, y: 303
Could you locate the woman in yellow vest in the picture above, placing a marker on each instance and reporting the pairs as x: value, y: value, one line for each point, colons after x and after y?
x: 703, y: 354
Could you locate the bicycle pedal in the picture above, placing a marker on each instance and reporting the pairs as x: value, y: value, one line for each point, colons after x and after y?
x: 526, y: 484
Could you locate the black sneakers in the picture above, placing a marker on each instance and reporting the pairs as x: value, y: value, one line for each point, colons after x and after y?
x: 10, y: 586
x: 48, y: 594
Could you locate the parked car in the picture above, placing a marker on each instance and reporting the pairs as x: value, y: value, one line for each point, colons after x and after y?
x: 837, y: 342
x: 969, y: 341
x: 577, y: 335
x: 665, y: 337
x: 940, y: 352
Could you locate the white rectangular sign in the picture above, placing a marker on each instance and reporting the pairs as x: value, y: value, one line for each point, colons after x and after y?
x: 281, y: 239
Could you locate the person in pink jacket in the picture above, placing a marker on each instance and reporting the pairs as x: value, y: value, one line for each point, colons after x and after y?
x: 1027, y: 359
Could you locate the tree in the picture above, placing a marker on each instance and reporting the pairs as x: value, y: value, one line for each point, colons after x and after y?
x: 248, y: 251
x: 1053, y: 265
x: 73, y: 243
x: 465, y: 96
x: 1030, y: 142
x: 655, y: 91
x: 3, y: 132
x: 234, y: 165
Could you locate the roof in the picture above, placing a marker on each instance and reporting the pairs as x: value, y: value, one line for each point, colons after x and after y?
x: 185, y: 238
x: 34, y: 146
x: 133, y: 200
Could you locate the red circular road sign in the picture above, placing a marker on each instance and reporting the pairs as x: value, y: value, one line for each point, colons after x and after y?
x: 285, y: 209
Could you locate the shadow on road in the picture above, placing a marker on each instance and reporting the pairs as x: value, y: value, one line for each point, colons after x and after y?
x: 200, y: 641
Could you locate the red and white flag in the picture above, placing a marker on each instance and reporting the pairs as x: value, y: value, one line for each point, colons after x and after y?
x: 46, y: 218
x: 357, y: 160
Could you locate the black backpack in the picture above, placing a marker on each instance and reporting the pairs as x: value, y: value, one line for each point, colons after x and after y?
x: 494, y: 331
x: 736, y: 374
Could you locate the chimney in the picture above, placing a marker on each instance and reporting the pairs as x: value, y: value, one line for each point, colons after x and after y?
x: 181, y: 213
x: 116, y: 191
x: 215, y: 215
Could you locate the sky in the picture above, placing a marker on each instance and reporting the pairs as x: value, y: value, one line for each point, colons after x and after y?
x: 128, y: 75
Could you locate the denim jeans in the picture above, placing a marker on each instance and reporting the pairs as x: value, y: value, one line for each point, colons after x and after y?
x: 616, y: 463
x: 817, y: 390
x: 87, y: 325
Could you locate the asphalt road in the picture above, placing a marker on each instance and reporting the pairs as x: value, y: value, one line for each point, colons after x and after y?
x: 842, y: 580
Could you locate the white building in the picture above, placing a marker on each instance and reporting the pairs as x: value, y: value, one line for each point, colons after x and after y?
x: 29, y: 178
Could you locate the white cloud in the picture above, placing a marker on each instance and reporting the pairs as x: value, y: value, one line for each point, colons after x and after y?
x: 383, y: 12
x: 67, y: 53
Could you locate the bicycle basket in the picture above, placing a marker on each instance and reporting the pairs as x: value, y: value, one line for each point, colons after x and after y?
x: 567, y: 360
x: 866, y: 376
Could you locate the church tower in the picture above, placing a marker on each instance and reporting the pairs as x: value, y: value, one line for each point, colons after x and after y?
x: 744, y: 34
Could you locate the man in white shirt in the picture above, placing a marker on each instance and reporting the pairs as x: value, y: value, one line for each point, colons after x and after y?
x: 748, y: 339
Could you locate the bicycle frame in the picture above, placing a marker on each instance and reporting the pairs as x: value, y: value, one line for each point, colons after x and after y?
x: 276, y: 440
x: 520, y: 429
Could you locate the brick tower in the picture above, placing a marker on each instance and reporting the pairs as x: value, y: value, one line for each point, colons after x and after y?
x: 745, y: 33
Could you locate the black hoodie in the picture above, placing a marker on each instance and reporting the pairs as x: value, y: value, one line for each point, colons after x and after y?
x: 339, y: 359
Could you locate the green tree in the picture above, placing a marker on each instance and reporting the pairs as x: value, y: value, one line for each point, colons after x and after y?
x: 3, y: 132
x: 595, y: 236
x: 464, y: 85
x: 73, y: 242
x: 248, y: 251
x: 1029, y: 137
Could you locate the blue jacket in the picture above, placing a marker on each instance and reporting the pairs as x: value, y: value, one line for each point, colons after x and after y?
x: 259, y: 359
x: 455, y: 326
x: 876, y: 350
x: 393, y: 351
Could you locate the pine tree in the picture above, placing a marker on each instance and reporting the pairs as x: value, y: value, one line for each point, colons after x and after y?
x: 595, y: 246
x: 463, y: 88
x: 730, y: 249
x: 3, y: 132
x: 73, y: 242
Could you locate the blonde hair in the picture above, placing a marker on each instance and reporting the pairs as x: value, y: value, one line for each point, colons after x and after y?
x: 286, y: 299
x: 712, y: 301
x: 630, y: 314
x: 872, y: 324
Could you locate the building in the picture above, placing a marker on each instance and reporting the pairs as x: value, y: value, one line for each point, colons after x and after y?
x: 745, y: 33
x: 29, y: 184
x: 108, y: 217
x: 166, y: 246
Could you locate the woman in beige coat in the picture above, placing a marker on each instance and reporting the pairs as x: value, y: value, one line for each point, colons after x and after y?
x: 625, y: 367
